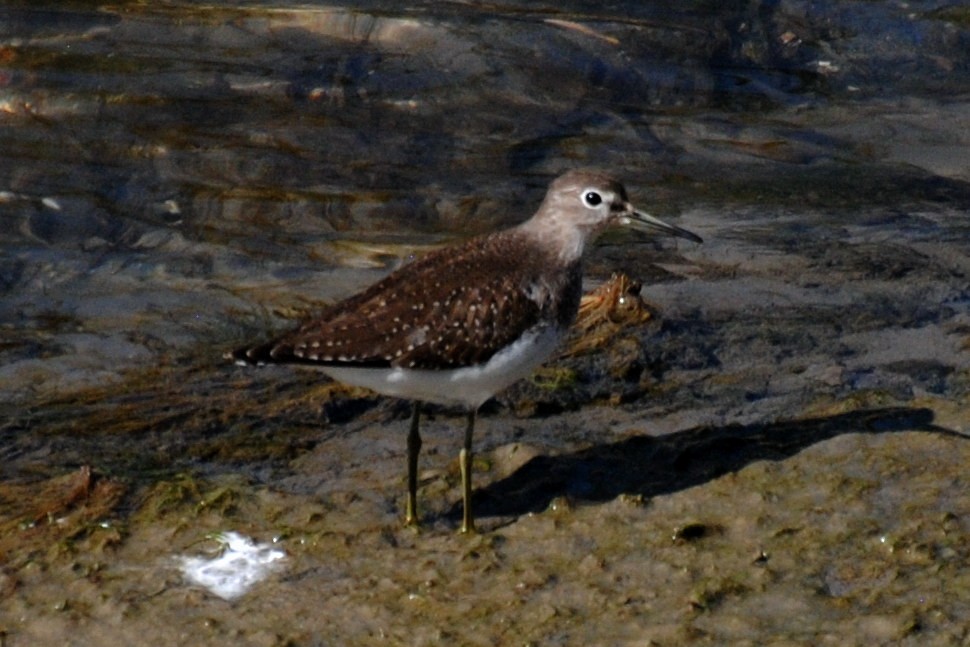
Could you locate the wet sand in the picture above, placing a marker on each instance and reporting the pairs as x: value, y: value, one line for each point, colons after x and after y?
x: 709, y: 476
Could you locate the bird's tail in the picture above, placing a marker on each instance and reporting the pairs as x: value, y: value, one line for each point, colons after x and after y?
x: 252, y: 355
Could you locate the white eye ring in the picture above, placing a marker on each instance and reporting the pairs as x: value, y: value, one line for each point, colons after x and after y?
x: 592, y: 199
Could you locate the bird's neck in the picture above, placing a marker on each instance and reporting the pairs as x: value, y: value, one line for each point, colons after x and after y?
x: 557, y: 259
x: 566, y: 241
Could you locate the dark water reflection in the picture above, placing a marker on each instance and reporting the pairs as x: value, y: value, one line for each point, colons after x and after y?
x: 159, y: 159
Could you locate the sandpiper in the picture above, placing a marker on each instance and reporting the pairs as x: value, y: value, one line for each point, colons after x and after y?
x: 462, y: 323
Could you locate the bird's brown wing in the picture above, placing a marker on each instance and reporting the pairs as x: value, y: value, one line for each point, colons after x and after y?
x: 455, y: 307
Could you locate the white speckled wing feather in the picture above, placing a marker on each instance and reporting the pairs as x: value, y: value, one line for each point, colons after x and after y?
x: 449, y: 309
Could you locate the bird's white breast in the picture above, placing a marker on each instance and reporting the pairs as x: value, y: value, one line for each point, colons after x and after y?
x: 468, y: 386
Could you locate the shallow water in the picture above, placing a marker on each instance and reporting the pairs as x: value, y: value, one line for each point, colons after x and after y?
x: 776, y: 455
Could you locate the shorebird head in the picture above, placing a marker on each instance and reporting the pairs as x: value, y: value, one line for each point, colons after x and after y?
x: 580, y: 204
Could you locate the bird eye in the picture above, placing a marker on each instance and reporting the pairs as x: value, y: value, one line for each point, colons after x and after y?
x: 592, y: 199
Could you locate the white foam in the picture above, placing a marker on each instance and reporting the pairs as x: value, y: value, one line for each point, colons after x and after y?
x: 240, y: 565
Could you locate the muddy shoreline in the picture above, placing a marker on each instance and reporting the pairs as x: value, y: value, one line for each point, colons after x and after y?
x: 709, y: 475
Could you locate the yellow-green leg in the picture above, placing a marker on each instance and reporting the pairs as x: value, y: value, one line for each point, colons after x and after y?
x: 414, y: 447
x: 465, y: 464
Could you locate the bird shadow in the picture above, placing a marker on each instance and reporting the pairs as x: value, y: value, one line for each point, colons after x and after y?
x: 651, y: 465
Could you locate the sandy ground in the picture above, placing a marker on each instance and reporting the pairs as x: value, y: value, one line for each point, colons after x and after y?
x: 776, y: 456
